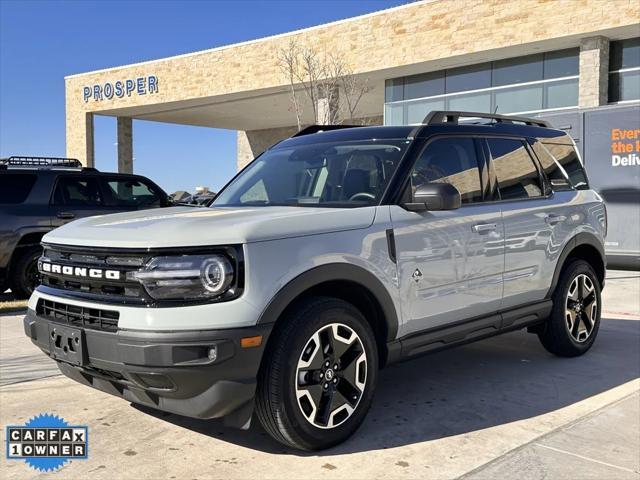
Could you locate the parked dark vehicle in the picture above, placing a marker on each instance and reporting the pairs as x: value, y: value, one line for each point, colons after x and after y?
x: 38, y: 194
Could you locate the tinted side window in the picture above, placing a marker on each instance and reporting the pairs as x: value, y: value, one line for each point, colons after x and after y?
x: 77, y: 192
x: 15, y: 187
x: 450, y: 160
x: 131, y: 192
x: 562, y: 166
x: 517, y: 175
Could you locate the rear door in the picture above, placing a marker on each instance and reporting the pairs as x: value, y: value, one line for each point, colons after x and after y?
x: 76, y: 196
x: 20, y: 212
x: 534, y: 220
x: 450, y: 263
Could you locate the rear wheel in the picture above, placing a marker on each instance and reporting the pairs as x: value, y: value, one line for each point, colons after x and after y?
x: 575, y: 318
x: 319, y: 375
x: 25, y: 276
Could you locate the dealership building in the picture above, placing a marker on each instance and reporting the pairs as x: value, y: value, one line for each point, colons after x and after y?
x: 574, y: 62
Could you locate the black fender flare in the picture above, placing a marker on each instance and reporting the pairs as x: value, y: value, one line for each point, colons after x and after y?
x: 582, y: 238
x: 333, y: 272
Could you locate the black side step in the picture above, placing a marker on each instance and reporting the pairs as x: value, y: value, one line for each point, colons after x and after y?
x: 440, y: 338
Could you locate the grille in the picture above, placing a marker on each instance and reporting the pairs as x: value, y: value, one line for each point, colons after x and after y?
x: 94, y: 318
x: 116, y: 290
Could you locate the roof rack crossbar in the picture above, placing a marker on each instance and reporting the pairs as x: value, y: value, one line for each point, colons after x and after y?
x: 444, y: 116
x: 321, y: 128
x: 16, y: 161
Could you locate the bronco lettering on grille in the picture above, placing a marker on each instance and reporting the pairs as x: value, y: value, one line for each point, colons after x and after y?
x: 68, y: 270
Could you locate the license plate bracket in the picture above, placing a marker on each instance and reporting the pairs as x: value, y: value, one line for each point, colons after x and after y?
x: 67, y: 344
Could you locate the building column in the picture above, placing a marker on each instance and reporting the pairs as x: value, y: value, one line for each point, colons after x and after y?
x: 125, y: 145
x: 594, y: 72
x: 327, y: 105
x: 251, y: 143
x: 90, y: 160
x: 79, y: 138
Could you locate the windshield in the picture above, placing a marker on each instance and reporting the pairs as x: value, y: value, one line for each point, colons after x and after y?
x: 338, y: 174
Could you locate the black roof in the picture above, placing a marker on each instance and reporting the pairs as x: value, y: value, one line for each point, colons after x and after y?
x: 348, y: 134
x: 436, y: 122
x: 420, y: 131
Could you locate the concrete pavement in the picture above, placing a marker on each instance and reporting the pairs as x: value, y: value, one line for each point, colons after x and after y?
x: 500, y: 408
x: 595, y: 447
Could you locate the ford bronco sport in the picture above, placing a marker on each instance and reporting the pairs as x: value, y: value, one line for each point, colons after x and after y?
x: 334, y: 253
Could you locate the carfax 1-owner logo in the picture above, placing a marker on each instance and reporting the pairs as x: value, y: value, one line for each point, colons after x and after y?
x: 46, y: 442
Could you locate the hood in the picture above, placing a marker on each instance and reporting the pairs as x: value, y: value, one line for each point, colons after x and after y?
x: 192, y: 226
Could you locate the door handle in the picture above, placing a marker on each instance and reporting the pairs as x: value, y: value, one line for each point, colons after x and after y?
x: 484, y: 227
x: 554, y: 219
x: 66, y: 215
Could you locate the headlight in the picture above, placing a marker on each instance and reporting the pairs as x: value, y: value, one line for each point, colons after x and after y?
x: 187, y: 277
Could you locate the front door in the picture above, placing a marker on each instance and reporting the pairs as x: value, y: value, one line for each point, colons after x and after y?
x: 76, y: 196
x: 450, y: 263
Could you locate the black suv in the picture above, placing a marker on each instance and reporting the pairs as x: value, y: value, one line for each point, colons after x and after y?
x: 38, y: 194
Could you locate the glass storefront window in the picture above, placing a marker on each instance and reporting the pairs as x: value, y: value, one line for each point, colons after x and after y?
x: 561, y: 94
x: 426, y: 85
x: 487, y: 86
x: 468, y: 78
x: 519, y: 99
x: 393, y: 114
x: 517, y: 70
x: 472, y: 102
x: 563, y: 63
x: 624, y: 54
x: 394, y: 90
x: 416, y: 111
x: 624, y: 86
x: 624, y: 70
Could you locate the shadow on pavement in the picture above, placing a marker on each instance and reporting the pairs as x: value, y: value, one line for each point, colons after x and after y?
x: 478, y: 386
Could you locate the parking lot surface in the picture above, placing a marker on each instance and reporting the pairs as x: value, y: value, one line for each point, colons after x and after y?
x: 499, y: 408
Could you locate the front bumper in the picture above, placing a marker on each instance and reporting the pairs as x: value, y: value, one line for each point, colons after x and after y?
x: 169, y: 371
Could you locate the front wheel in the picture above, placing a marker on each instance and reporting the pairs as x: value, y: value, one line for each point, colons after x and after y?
x: 317, y: 381
x: 25, y: 276
x: 575, y: 318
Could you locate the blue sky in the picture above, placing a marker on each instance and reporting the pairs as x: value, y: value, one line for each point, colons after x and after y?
x: 43, y: 41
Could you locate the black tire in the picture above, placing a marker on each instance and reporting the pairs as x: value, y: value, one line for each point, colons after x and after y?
x: 24, y: 273
x: 277, y: 405
x: 557, y: 336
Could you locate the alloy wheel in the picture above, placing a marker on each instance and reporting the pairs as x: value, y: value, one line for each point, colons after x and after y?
x: 331, y: 375
x: 581, y: 308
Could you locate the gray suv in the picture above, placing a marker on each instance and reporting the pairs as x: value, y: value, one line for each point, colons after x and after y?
x: 333, y: 254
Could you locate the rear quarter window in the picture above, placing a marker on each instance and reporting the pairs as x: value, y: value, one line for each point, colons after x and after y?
x: 15, y: 187
x: 562, y: 165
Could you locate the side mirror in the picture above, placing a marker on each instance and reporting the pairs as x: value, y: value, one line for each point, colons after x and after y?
x: 434, y: 196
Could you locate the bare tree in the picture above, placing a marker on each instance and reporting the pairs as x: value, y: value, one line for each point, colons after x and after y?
x: 288, y: 61
x: 327, y: 82
x: 353, y: 90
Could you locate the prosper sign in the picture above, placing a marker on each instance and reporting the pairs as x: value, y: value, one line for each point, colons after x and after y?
x: 120, y: 88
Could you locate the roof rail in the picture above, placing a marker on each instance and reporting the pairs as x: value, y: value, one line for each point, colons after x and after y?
x: 15, y: 161
x: 321, y: 128
x: 443, y: 116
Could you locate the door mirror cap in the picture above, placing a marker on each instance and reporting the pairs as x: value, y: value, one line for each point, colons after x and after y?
x: 433, y: 197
